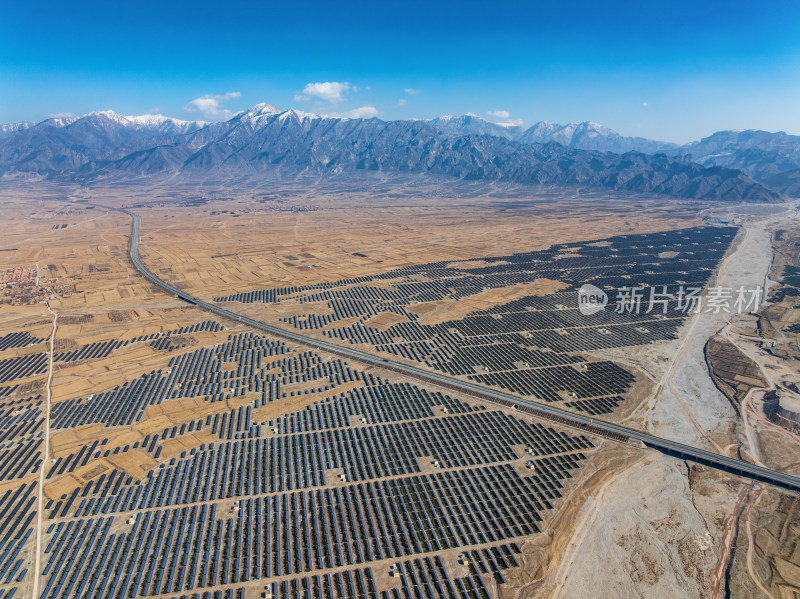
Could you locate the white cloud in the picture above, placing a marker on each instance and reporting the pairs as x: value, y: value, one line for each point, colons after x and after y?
x: 402, y: 102
x: 511, y: 123
x: 500, y: 114
x: 506, y: 115
x: 362, y: 112
x: 330, y: 91
x: 212, y: 105
x: 60, y: 115
x: 645, y: 104
x: 411, y: 91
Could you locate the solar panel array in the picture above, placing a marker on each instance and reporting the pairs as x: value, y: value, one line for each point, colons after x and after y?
x: 19, y: 367
x: 368, y: 475
x: 361, y: 486
x: 18, y: 339
x: 527, y: 345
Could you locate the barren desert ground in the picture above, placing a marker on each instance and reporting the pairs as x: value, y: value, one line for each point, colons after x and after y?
x: 133, y: 417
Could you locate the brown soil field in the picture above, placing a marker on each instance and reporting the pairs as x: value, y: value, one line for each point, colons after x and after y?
x: 733, y: 372
x: 298, y: 402
x: 439, y: 312
x: 384, y: 320
x: 469, y: 264
x: 350, y: 236
x: 781, y: 319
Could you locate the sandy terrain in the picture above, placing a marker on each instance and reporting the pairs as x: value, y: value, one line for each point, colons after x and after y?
x: 689, y: 389
x: 675, y: 530
x: 653, y: 541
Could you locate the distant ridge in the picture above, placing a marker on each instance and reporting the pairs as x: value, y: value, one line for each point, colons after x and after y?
x: 291, y: 143
x: 591, y: 136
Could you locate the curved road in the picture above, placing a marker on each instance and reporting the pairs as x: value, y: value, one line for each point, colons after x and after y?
x: 584, y: 423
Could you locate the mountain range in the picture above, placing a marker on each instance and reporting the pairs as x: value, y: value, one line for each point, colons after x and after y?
x: 772, y: 159
x: 290, y: 143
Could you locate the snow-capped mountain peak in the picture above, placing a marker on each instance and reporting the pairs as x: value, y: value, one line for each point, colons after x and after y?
x: 11, y: 128
x: 299, y: 115
x: 264, y: 108
x: 58, y: 121
x: 472, y: 124
x: 259, y: 114
x: 589, y: 135
x: 107, y: 114
x: 149, y: 122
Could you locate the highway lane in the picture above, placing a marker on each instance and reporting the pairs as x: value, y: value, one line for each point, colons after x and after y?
x: 586, y: 424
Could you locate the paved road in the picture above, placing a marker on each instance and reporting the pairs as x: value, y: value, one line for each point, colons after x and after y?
x: 38, y: 556
x: 584, y: 423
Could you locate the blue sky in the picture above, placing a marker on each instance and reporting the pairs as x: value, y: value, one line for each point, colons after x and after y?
x: 674, y: 70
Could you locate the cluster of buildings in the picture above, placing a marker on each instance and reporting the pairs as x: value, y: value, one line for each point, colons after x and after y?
x: 20, y: 286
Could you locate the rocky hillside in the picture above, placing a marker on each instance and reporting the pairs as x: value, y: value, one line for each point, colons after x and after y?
x: 265, y: 139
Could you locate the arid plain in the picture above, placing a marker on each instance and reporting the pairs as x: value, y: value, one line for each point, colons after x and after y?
x: 110, y: 345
